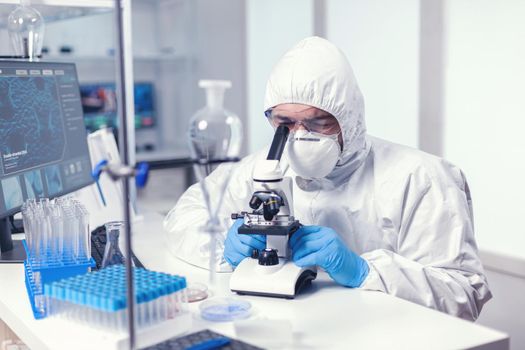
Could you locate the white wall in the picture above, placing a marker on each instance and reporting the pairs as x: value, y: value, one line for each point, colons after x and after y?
x: 221, y: 52
x: 484, y: 122
x: 483, y: 109
x: 485, y: 115
x: 273, y: 26
x: 381, y: 40
x: 505, y: 311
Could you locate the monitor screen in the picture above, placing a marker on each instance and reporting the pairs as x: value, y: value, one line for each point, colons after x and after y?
x: 43, y: 146
x: 100, y: 105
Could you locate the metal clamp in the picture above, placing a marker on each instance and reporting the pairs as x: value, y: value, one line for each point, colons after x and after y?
x: 119, y: 171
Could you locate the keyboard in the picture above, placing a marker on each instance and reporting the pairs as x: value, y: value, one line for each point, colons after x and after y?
x: 98, y: 245
x: 197, y: 341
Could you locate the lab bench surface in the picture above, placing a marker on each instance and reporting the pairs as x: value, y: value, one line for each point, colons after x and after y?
x: 326, y: 316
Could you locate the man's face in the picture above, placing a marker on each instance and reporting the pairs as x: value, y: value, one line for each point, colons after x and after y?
x: 298, y: 116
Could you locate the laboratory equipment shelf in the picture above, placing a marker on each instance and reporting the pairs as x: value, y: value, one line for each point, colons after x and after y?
x: 56, y: 10
x: 68, y: 3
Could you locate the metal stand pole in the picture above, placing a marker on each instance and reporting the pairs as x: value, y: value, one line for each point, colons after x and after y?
x: 124, y: 151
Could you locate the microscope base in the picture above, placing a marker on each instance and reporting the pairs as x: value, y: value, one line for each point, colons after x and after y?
x: 284, y: 280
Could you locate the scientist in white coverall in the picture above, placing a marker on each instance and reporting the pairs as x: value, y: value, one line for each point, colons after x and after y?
x: 377, y: 215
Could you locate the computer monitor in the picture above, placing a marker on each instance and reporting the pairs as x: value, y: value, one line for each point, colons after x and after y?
x: 100, y: 105
x: 43, y: 146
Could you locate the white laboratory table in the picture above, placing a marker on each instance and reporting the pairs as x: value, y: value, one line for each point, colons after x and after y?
x: 326, y: 316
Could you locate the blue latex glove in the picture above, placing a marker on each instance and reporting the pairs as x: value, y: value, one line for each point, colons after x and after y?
x: 322, y: 246
x: 237, y: 247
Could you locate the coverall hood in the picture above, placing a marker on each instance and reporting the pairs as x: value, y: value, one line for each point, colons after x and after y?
x: 316, y: 73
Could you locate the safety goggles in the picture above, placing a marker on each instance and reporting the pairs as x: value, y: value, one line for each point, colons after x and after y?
x: 324, y: 124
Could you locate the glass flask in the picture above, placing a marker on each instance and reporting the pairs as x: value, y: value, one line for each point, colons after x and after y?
x: 26, y: 30
x: 215, y: 137
x: 112, y: 253
x: 215, y: 133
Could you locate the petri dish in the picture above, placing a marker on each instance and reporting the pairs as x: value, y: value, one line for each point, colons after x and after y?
x: 196, y: 292
x: 225, y: 309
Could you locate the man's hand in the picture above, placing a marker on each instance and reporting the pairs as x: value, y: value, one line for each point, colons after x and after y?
x: 322, y: 246
x: 237, y: 247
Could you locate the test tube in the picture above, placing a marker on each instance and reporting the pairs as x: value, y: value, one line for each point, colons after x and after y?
x: 70, y: 229
x: 39, y: 232
x: 54, y: 233
x: 28, y: 221
x: 44, y: 230
x: 83, y: 232
x: 25, y: 212
x: 58, y: 220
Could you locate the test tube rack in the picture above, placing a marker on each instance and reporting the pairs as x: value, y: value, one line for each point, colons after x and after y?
x: 98, y: 299
x: 39, y: 272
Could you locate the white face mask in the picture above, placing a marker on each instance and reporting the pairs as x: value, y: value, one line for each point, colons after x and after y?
x: 313, y: 155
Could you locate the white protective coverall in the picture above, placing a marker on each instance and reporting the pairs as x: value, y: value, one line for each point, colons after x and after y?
x: 407, y: 213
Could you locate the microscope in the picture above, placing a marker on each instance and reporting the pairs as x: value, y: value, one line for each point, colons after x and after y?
x: 270, y: 272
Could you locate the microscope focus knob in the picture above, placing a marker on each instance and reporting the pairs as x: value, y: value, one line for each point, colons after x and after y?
x: 268, y: 257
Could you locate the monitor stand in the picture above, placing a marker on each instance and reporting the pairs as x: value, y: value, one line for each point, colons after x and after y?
x: 11, y: 251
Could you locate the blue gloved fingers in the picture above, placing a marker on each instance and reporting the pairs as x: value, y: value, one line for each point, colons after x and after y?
x: 346, y: 268
x: 302, y: 232
x: 260, y: 238
x: 244, y: 249
x: 305, y: 247
x: 245, y: 243
x: 235, y: 251
x: 321, y: 234
x: 322, y: 246
x: 239, y: 246
x: 247, y: 239
x: 229, y: 252
x: 250, y: 240
x: 243, y: 237
x: 234, y: 258
x: 236, y: 224
x: 307, y: 260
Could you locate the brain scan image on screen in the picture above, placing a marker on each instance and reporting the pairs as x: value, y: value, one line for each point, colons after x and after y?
x: 53, y: 179
x: 12, y: 192
x: 34, y: 186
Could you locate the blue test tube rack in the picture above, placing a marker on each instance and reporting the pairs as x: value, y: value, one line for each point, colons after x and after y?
x: 44, y: 271
x: 99, y: 299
